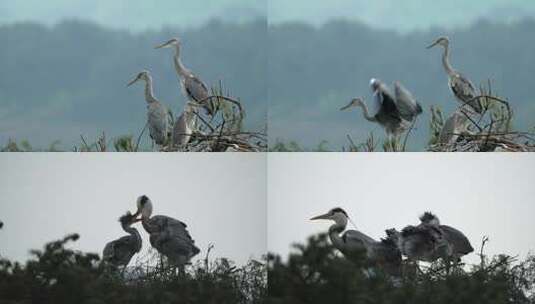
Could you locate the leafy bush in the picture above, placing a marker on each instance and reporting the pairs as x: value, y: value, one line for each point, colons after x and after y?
x: 61, y: 275
x: 316, y: 273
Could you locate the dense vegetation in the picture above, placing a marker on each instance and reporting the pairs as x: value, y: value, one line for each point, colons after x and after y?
x: 315, y: 273
x: 58, y: 275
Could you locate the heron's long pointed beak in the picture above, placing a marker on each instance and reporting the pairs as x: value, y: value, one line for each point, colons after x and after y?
x: 321, y: 217
x: 432, y: 45
x: 347, y: 106
x: 132, y: 81
x: 161, y: 45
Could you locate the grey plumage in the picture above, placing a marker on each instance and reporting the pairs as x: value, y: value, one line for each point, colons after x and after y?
x: 120, y: 252
x: 460, y: 245
x: 395, y: 113
x: 184, y: 126
x: 159, y: 117
x: 384, y: 253
x: 167, y: 235
x: 192, y: 86
x: 455, y: 125
x: 461, y: 87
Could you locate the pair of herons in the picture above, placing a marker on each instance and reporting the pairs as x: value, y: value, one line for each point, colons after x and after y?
x: 163, y: 128
x: 397, y: 112
x: 427, y: 241
x: 167, y: 235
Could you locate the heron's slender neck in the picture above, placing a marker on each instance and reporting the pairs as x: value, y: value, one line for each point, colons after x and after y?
x: 179, y: 66
x: 132, y: 231
x: 446, y: 61
x: 366, y: 113
x: 149, y: 93
x: 334, y: 234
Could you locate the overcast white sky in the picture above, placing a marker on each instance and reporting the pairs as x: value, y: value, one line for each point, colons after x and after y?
x: 480, y: 194
x: 220, y: 196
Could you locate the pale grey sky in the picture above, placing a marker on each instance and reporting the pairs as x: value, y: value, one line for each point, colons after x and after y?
x: 220, y: 196
x: 480, y: 194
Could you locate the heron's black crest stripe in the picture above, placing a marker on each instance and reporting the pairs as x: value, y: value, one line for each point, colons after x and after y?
x: 338, y: 209
x: 143, y: 200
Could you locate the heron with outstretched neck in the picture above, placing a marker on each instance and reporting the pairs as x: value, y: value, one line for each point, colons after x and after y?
x: 120, y: 252
x: 394, y: 112
x: 159, y: 118
x: 192, y: 86
x: 167, y: 235
x: 461, y: 87
x: 384, y: 253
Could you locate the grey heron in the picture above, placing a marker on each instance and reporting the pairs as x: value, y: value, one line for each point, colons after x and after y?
x: 460, y: 245
x: 120, y: 252
x: 159, y: 117
x: 395, y: 113
x: 462, y: 88
x: 456, y: 124
x: 168, y: 236
x: 384, y: 253
x: 184, y: 126
x: 192, y: 86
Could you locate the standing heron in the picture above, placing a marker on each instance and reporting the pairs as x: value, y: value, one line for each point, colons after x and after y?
x: 192, y: 86
x: 462, y: 88
x: 460, y: 245
x: 184, y: 126
x: 167, y: 235
x: 383, y: 253
x: 394, y: 114
x: 120, y: 252
x: 159, y: 117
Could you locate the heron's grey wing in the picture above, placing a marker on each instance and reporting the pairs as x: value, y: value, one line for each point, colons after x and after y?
x: 195, y: 88
x: 354, y: 236
x: 158, y: 118
x: 388, y: 104
x: 407, y: 105
x: 460, y: 242
x: 175, y: 229
x: 120, y: 251
x: 464, y: 90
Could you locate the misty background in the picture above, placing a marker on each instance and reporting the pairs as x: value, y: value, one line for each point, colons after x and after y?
x: 321, y: 58
x: 65, y: 65
x: 45, y: 196
x: 481, y: 195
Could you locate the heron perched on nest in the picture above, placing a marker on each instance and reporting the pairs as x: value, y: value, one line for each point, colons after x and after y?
x: 461, y: 87
x: 384, y: 253
x: 120, y: 252
x: 395, y: 113
x: 168, y: 236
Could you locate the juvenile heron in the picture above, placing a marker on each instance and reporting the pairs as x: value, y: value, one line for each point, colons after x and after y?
x: 456, y: 124
x: 462, y: 87
x: 192, y: 86
x: 120, y: 252
x: 167, y: 235
x: 384, y: 253
x: 159, y: 117
x: 184, y: 126
x: 460, y: 245
x: 394, y: 114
